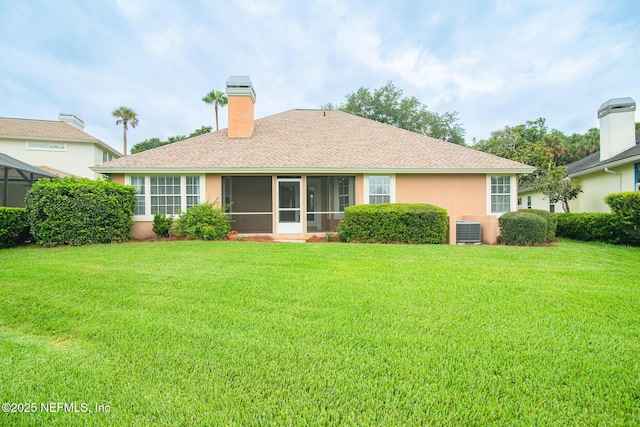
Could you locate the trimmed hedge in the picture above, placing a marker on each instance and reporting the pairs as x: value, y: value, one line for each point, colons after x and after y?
x: 627, y: 207
x: 14, y: 226
x: 79, y: 211
x: 394, y: 223
x: 552, y: 222
x: 522, y: 228
x: 203, y: 221
x: 596, y: 227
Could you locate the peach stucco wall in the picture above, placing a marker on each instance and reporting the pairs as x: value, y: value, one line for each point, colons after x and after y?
x: 117, y: 177
x: 241, y: 115
x: 213, y: 188
x: 458, y: 194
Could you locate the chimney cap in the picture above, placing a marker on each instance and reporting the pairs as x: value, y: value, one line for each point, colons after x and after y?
x: 616, y: 105
x: 72, y: 118
x: 241, y: 86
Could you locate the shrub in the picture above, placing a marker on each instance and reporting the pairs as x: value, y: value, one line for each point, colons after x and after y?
x: 627, y: 207
x: 522, y: 228
x: 14, y: 226
x: 598, y: 227
x: 203, y: 222
x: 162, y: 224
x: 552, y: 222
x: 399, y: 223
x: 79, y: 211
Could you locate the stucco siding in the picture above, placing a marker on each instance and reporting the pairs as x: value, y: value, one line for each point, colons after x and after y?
x: 75, y: 159
x: 458, y: 194
x: 598, y: 185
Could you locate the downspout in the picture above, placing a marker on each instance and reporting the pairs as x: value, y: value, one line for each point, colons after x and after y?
x: 619, y: 178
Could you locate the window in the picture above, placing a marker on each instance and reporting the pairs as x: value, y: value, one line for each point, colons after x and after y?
x: 528, y: 202
x: 519, y: 202
x: 345, y: 192
x: 137, y: 182
x: 168, y: 195
x: 552, y: 208
x: 500, y: 194
x: 106, y: 157
x: 49, y: 146
x: 379, y: 189
x: 165, y: 194
x: 193, y: 191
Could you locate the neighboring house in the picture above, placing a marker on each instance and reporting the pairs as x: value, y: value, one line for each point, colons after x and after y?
x: 292, y: 174
x: 58, y: 146
x: 613, y: 169
x: 16, y: 178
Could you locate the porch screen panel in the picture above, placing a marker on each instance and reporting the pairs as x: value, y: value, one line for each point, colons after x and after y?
x: 250, y: 200
x: 327, y: 197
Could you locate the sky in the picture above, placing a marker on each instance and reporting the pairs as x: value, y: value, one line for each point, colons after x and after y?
x: 496, y: 62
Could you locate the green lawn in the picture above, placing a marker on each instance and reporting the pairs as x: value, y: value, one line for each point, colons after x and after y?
x: 238, y: 333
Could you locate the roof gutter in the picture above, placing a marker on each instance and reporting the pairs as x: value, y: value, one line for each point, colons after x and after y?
x: 607, y: 170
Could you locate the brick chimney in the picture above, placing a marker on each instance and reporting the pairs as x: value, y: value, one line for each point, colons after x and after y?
x: 617, y: 126
x: 242, y: 98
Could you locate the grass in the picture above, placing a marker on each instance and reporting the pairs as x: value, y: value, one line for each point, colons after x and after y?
x: 237, y: 333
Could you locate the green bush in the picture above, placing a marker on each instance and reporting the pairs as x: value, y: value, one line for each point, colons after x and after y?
x: 522, y: 228
x: 552, y: 222
x: 79, y: 211
x: 627, y: 207
x: 162, y: 224
x: 14, y: 226
x: 394, y: 223
x: 203, y: 222
x: 596, y: 227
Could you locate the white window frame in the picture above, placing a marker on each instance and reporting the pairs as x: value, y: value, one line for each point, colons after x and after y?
x: 106, y: 156
x: 513, y: 199
x: 392, y: 187
x: 148, y: 215
x: 48, y: 146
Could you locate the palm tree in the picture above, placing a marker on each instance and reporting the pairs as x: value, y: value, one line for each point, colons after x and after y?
x: 126, y: 116
x: 216, y: 98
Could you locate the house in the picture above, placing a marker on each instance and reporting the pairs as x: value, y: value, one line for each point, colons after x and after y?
x: 612, y: 169
x: 292, y: 174
x: 16, y: 178
x: 60, y: 147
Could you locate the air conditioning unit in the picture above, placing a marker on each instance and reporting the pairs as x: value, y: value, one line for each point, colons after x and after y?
x: 468, y: 232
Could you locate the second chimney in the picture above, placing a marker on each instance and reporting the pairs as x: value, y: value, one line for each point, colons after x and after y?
x: 617, y: 126
x: 241, y: 98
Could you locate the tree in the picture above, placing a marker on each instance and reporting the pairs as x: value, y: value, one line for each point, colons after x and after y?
x: 148, y: 144
x: 216, y: 98
x: 525, y: 143
x: 126, y: 116
x: 387, y: 105
x: 557, y: 186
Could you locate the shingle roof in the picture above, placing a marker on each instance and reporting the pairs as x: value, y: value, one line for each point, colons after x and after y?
x: 314, y: 139
x: 593, y: 161
x: 42, y: 129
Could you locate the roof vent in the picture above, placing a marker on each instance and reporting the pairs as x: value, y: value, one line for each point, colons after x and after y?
x: 70, y: 117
